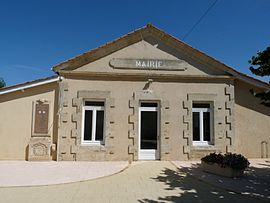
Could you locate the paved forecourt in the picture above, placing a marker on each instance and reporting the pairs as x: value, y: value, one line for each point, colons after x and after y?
x: 151, y: 181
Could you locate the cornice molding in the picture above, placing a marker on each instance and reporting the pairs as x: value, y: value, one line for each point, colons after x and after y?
x: 141, y: 76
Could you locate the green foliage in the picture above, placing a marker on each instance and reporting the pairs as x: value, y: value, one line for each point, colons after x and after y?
x: 262, y: 60
x: 235, y: 161
x: 2, y: 83
x: 262, y: 63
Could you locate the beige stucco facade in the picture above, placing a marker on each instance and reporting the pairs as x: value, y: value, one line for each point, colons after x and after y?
x: 121, y: 133
x: 238, y: 122
x: 16, y: 119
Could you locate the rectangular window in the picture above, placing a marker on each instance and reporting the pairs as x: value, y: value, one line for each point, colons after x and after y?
x: 93, y: 122
x: 196, y: 126
x: 201, y: 123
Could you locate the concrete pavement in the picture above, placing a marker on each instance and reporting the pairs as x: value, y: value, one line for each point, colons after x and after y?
x: 152, y: 181
x: 25, y: 173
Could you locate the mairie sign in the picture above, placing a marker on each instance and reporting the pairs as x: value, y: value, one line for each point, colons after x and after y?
x: 148, y: 64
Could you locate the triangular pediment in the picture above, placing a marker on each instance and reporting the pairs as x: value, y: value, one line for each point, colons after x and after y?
x: 147, y: 50
x: 150, y: 55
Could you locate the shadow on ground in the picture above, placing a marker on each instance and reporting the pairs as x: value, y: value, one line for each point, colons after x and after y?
x: 255, y: 182
x: 253, y: 187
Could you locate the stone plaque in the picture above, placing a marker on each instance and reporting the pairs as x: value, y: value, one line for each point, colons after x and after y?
x: 149, y: 64
x: 39, y: 149
x: 41, y: 118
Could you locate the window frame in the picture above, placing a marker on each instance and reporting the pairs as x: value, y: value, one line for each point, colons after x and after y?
x: 94, y: 110
x: 202, y: 142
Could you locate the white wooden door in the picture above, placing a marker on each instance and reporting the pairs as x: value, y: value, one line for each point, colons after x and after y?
x: 148, y: 133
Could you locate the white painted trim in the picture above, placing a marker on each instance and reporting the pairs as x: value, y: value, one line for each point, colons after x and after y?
x: 94, y: 109
x: 201, y: 111
x: 29, y: 86
x: 148, y: 154
x: 148, y: 108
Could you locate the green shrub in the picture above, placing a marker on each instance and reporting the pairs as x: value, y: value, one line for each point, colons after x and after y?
x: 235, y: 161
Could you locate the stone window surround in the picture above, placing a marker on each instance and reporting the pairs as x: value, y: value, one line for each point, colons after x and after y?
x: 187, y: 119
x: 223, y: 108
x: 78, y: 102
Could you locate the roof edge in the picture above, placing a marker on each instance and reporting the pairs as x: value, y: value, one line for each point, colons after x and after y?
x: 220, y: 65
x: 29, y: 84
x: 64, y: 64
x: 203, y: 57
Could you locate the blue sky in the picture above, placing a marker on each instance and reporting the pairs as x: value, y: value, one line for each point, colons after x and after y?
x: 35, y: 35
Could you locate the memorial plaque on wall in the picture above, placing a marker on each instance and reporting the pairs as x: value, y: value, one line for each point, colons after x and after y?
x: 41, y: 118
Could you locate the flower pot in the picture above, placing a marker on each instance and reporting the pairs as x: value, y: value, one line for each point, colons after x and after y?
x: 222, y: 171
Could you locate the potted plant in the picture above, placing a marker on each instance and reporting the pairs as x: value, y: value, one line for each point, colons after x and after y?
x: 229, y: 165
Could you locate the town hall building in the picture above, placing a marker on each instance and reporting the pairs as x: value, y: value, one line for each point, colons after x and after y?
x: 143, y: 96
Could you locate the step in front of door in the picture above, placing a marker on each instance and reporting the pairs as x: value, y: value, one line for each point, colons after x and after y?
x: 149, y: 154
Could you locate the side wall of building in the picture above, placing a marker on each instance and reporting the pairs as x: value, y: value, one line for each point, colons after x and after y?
x: 16, y: 119
x: 252, y: 123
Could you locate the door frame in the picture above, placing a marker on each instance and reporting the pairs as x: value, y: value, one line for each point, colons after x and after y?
x: 149, y: 151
